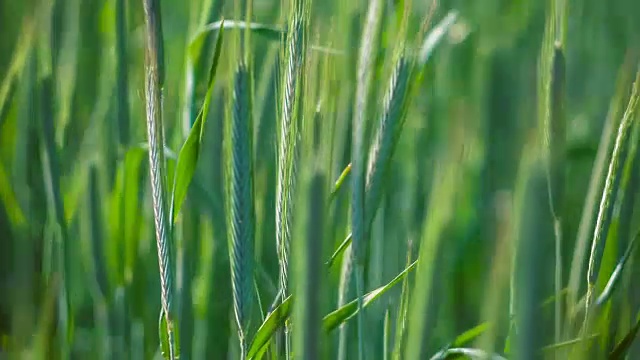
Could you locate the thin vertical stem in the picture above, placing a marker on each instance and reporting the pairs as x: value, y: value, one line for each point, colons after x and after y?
x: 154, y: 79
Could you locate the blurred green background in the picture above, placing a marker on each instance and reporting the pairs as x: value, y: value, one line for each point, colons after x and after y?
x: 74, y: 182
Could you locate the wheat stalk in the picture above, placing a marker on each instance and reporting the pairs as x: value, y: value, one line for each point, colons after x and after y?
x: 241, y: 206
x: 154, y: 78
x: 287, y: 138
x: 391, y: 123
x: 358, y: 160
x: 608, y: 193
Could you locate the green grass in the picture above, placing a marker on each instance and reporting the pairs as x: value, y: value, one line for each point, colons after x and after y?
x: 303, y: 179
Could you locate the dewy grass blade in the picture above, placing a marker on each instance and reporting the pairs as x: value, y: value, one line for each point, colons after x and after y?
x: 608, y: 194
x: 154, y: 81
x: 241, y: 205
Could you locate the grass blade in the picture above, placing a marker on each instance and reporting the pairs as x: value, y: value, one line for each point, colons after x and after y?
x: 339, y: 182
x: 341, y: 248
x: 190, y: 151
x: 623, y: 346
x: 279, y: 315
x: 269, y: 31
x: 351, y: 309
x: 617, y: 272
x: 271, y: 324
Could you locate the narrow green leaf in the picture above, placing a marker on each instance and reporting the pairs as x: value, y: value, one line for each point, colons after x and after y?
x: 269, y: 31
x: 281, y: 313
x: 188, y: 157
x: 8, y: 197
x: 274, y: 320
x: 621, y: 348
x: 341, y: 248
x: 617, y: 272
x: 18, y: 61
x: 338, y: 185
x: 341, y: 315
x: 472, y: 334
x: 567, y: 343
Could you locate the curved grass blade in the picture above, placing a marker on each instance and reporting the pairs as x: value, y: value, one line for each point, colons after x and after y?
x: 280, y: 314
x: 341, y: 248
x: 617, y: 272
x: 623, y: 346
x: 271, y: 324
x: 466, y: 337
x: 471, y: 334
x: 188, y: 156
x: 568, y: 343
x: 469, y: 353
x: 343, y: 314
x: 269, y: 31
x: 435, y: 36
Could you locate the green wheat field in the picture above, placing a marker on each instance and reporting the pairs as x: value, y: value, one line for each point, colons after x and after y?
x: 319, y: 179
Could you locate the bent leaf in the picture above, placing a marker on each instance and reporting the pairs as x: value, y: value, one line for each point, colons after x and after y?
x: 349, y: 310
x: 280, y: 314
